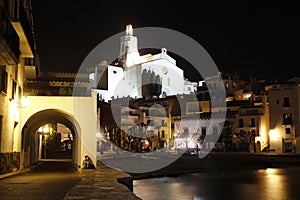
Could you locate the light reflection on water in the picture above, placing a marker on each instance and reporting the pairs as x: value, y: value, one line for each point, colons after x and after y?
x: 270, y: 183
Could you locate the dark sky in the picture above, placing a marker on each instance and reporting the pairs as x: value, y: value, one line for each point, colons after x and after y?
x: 259, y: 39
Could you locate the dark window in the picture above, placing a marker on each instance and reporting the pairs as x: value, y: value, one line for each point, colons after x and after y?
x: 162, y: 133
x: 287, y: 130
x: 14, y: 90
x: 203, y: 131
x: 286, y: 102
x: 3, y: 81
x: 241, y: 123
x: 277, y: 101
x: 252, y: 123
x: 288, y: 147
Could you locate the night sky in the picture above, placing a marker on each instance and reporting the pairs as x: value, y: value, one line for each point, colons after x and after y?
x: 259, y: 39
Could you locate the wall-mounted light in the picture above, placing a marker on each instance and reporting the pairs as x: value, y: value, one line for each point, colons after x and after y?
x: 24, y: 102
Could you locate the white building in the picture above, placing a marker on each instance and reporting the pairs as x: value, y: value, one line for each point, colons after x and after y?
x: 284, y: 118
x: 136, y: 73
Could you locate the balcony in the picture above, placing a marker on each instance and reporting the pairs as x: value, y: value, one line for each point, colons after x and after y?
x: 31, y: 69
x: 22, y: 25
x: 9, y: 41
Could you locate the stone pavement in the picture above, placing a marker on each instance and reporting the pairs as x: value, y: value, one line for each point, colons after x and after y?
x: 100, y: 183
x: 103, y: 183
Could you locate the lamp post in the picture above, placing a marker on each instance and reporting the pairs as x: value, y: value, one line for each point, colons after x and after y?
x: 43, y: 131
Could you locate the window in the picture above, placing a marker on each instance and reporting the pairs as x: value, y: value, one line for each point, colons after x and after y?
x: 241, y: 123
x: 252, y: 122
x: 203, y: 131
x: 286, y: 102
x: 14, y: 90
x: 163, y: 134
x: 227, y: 85
x: 288, y: 147
x: 3, y: 81
x: 277, y: 101
x: 288, y: 130
x: 150, y: 122
x: 287, y: 119
x: 234, y: 84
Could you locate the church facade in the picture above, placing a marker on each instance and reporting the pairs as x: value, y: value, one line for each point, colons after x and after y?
x: 138, y: 75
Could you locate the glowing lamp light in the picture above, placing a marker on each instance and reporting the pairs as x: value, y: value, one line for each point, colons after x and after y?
x: 248, y: 96
x: 274, y: 134
x: 24, y: 101
x: 46, y: 129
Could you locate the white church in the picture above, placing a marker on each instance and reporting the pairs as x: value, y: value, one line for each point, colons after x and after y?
x: 134, y: 73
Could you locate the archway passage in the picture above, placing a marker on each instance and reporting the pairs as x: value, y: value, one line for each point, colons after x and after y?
x: 55, y: 141
x: 33, y: 137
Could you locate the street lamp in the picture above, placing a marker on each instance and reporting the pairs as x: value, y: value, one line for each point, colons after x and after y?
x: 43, y: 131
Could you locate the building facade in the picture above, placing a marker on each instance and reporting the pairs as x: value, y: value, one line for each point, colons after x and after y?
x: 18, y: 61
x: 138, y: 75
x: 284, y: 117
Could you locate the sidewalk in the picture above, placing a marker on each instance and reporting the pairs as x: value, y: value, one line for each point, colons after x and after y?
x: 100, y: 183
x: 17, y: 172
x: 103, y: 183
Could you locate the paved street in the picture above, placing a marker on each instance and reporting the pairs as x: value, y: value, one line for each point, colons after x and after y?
x: 51, y: 180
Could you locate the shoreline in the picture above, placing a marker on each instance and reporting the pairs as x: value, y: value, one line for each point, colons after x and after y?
x: 219, y: 162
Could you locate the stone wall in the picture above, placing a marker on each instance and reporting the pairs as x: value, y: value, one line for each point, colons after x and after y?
x: 9, y: 162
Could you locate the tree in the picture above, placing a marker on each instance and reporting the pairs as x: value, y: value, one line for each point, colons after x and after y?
x: 53, y: 141
x: 157, y: 86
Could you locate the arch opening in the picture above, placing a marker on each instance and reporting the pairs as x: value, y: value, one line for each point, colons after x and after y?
x: 44, y: 130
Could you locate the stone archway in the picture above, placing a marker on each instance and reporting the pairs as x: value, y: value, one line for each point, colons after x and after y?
x: 30, y: 147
